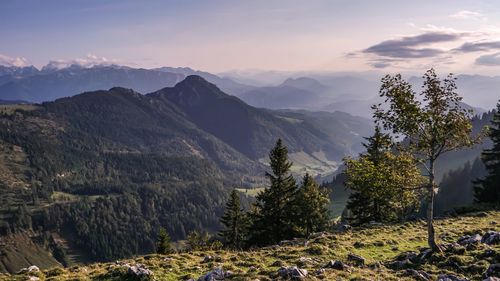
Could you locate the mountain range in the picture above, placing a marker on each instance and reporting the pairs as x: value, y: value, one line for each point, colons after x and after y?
x: 80, y: 170
x: 351, y: 93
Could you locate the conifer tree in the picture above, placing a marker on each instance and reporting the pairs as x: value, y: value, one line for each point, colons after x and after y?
x: 235, y: 222
x: 274, y: 207
x: 384, y: 185
x: 487, y: 190
x: 364, y: 206
x: 163, y: 242
x: 311, y: 207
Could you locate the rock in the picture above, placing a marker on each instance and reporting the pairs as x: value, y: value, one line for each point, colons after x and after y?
x: 33, y: 278
x: 419, y: 275
x: 33, y: 268
x: 492, y: 279
x: 449, y: 277
x: 319, y: 271
x: 337, y: 265
x: 492, y: 271
x: 400, y: 264
x: 278, y: 263
x: 468, y: 239
x: 292, y: 272
x: 411, y: 256
x: 489, y: 253
x: 424, y: 253
x: 357, y: 259
x: 294, y: 242
x: 305, y: 260
x: 343, y: 227
x: 454, y: 248
x: 30, y: 269
x: 252, y: 268
x: 215, y: 275
x: 482, y: 215
x: 207, y: 259
x: 317, y: 235
x: 138, y: 270
x: 491, y: 238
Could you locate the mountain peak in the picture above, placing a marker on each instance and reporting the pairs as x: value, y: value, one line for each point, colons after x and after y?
x: 305, y: 83
x: 196, y: 80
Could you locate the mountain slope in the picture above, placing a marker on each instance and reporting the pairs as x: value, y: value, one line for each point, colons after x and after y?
x: 390, y: 252
x: 84, y: 169
x: 225, y: 84
x: 247, y: 129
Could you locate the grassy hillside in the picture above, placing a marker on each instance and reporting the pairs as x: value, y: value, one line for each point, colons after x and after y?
x: 379, y: 245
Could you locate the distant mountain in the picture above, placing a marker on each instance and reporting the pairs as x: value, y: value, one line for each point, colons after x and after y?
x: 71, y: 81
x: 281, y: 97
x: 226, y: 84
x: 252, y: 131
x: 478, y: 91
x: 298, y: 93
x: 306, y: 84
x: 9, y: 73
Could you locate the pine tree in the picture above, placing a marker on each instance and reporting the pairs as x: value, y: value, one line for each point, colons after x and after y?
x: 274, y: 207
x: 163, y: 242
x: 377, y: 146
x: 384, y: 185
x: 235, y: 222
x: 487, y: 190
x: 311, y: 207
x: 364, y: 206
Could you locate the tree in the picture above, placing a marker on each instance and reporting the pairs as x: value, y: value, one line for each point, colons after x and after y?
x: 198, y: 240
x: 163, y: 242
x: 311, y: 207
x: 235, y: 222
x: 273, y: 209
x: 487, y: 190
x: 385, y: 190
x: 432, y: 125
x: 362, y: 203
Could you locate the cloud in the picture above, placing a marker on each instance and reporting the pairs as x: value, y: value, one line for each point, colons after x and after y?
x: 411, y: 46
x: 489, y: 60
x: 89, y: 61
x: 469, y: 47
x: 466, y: 14
x: 10, y: 61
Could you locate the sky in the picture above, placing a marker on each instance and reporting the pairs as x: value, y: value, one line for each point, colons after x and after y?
x: 286, y: 35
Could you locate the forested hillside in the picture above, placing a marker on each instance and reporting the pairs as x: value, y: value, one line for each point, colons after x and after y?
x: 99, y: 173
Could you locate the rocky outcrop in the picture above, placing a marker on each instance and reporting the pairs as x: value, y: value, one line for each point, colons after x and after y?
x: 292, y: 272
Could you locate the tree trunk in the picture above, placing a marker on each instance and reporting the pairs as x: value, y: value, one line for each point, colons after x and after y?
x: 431, y: 235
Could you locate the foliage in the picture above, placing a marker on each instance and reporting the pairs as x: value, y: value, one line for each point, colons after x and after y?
x: 163, y: 242
x: 433, y: 126
x: 198, y: 240
x: 271, y: 221
x: 235, y: 222
x: 487, y: 190
x: 311, y: 207
x: 383, y: 191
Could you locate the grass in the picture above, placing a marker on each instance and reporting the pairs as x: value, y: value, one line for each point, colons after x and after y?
x: 377, y: 244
